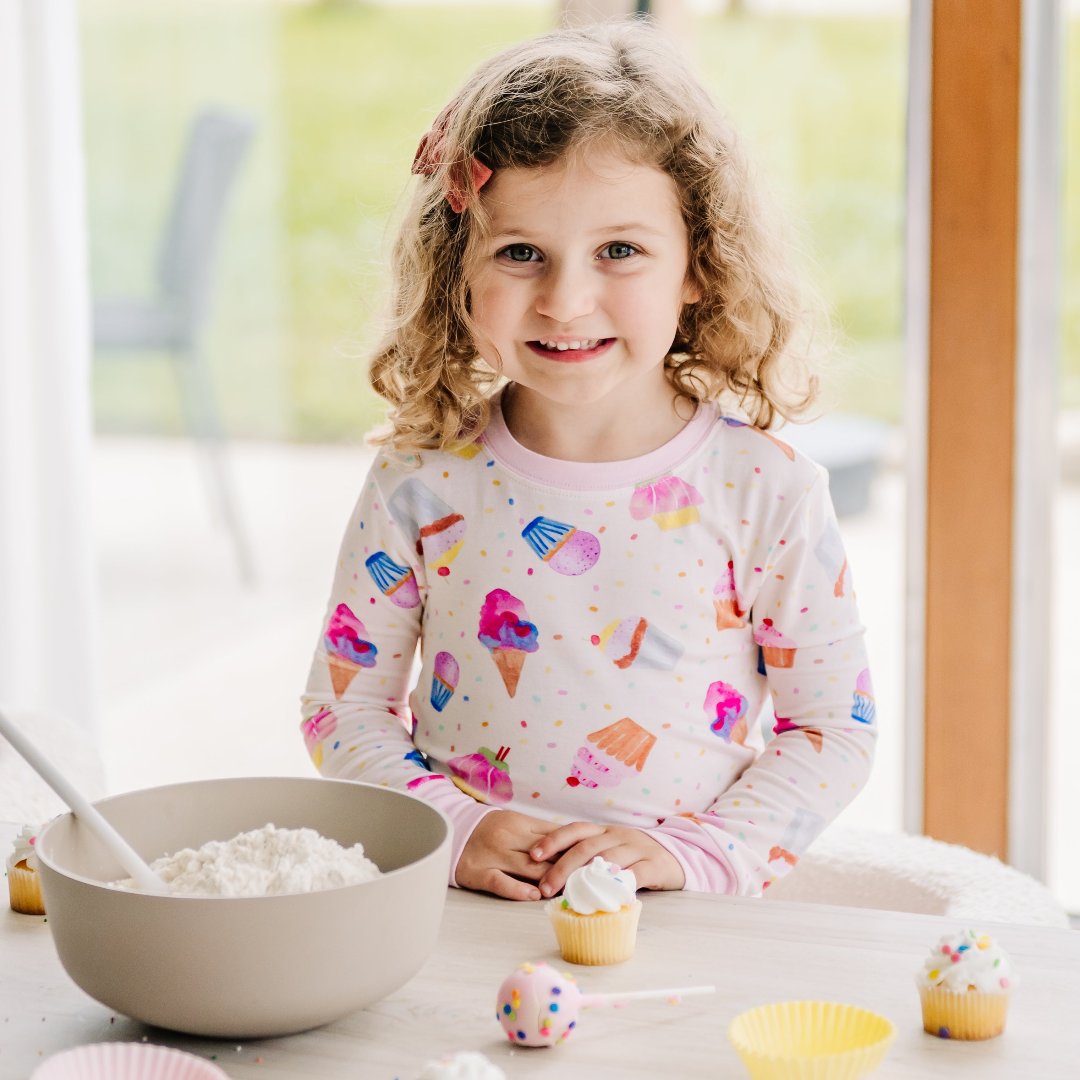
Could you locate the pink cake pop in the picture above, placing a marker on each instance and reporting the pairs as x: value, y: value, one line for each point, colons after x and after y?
x: 537, y: 1006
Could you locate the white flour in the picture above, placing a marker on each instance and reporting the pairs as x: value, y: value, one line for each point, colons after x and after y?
x: 264, y: 862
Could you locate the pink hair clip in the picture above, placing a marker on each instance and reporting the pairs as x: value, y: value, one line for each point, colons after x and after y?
x: 428, y: 158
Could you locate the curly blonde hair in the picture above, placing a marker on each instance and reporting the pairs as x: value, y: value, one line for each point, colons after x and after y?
x: 623, y: 85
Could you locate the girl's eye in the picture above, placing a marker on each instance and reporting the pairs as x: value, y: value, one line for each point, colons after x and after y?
x: 520, y: 253
x: 619, y: 250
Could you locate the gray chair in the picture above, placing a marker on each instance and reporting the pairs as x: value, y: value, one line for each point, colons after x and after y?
x: 174, y: 320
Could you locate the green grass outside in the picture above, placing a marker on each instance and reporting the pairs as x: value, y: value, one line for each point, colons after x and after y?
x: 342, y: 92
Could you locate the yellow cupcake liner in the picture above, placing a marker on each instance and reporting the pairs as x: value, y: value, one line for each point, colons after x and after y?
x: 607, y: 937
x: 24, y: 888
x: 963, y: 1014
x: 811, y: 1040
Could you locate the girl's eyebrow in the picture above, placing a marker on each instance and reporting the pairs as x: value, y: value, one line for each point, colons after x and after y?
x: 633, y: 226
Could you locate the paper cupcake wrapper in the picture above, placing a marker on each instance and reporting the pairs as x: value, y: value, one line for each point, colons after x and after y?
x: 810, y: 1040
x: 603, y: 938
x: 126, y: 1061
x: 968, y: 1014
x: 24, y: 888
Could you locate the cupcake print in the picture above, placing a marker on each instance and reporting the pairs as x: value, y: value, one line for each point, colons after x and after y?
x: 635, y: 641
x: 565, y: 549
x: 437, y: 531
x: 670, y: 501
x: 505, y: 631
x: 315, y: 730
x: 347, y: 648
x: 588, y: 771
x: 863, y: 708
x: 625, y: 742
x: 484, y: 775
x: 396, y: 583
x: 729, y: 616
x: 444, y: 680
x: 726, y: 709
x: 829, y: 552
x: 778, y: 652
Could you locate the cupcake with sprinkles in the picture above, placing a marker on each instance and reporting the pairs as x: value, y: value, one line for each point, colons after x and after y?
x: 965, y: 986
x: 596, y: 918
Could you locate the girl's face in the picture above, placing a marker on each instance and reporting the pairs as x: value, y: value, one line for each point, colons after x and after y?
x: 578, y: 291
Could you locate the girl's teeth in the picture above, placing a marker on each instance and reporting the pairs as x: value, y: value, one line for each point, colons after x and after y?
x: 563, y: 346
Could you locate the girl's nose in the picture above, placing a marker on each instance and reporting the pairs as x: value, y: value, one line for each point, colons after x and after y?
x: 565, y: 294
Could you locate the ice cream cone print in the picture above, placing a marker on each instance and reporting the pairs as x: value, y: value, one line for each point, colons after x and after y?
x: 625, y: 741
x: 444, y: 680
x: 729, y: 616
x: 397, y: 583
x: 863, y: 707
x: 670, y: 501
x: 346, y: 648
x: 437, y: 531
x: 782, y: 446
x: 565, y: 549
x: 813, y: 735
x: 507, y: 634
x: 726, y: 709
x: 635, y: 641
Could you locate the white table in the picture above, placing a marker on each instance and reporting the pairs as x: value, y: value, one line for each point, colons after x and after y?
x: 753, y: 951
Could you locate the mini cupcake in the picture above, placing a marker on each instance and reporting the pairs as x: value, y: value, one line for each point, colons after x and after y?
x: 24, y: 885
x: 965, y: 986
x: 596, y: 918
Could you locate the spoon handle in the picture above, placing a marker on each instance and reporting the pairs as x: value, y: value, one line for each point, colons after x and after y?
x: 124, y: 853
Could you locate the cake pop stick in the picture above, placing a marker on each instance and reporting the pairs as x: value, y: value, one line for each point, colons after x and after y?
x: 538, y: 1006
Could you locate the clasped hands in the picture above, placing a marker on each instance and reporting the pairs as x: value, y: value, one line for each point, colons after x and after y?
x: 525, y: 858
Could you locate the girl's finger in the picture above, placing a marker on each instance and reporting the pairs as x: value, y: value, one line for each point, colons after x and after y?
x: 563, y: 838
x: 501, y: 884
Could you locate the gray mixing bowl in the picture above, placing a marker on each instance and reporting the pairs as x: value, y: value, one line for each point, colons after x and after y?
x: 246, y: 967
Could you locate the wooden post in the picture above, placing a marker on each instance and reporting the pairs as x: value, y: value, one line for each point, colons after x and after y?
x: 975, y: 109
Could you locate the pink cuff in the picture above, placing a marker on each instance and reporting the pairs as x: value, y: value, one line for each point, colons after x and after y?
x: 463, y: 811
x: 705, y: 870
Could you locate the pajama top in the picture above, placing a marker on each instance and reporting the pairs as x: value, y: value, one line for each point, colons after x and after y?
x: 669, y: 642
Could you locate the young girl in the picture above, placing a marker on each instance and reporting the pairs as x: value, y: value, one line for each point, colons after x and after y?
x: 637, y: 630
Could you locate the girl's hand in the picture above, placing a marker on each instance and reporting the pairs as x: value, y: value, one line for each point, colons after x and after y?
x: 630, y: 849
x: 496, y: 857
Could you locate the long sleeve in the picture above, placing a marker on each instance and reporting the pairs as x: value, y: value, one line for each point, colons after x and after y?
x: 357, y: 723
x: 822, y: 725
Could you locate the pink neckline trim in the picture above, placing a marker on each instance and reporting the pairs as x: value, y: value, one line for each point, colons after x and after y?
x: 595, y: 476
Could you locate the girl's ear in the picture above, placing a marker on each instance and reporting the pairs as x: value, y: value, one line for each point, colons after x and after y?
x: 691, y: 291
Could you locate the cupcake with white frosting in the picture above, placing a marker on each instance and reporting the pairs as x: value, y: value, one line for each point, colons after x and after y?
x: 596, y: 918
x: 965, y: 986
x: 24, y: 885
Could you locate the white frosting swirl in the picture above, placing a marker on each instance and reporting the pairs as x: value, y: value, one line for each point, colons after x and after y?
x: 968, y: 961
x: 466, y: 1065
x: 24, y: 848
x: 600, y: 886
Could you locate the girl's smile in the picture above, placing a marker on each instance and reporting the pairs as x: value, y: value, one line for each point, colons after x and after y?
x: 570, y: 352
